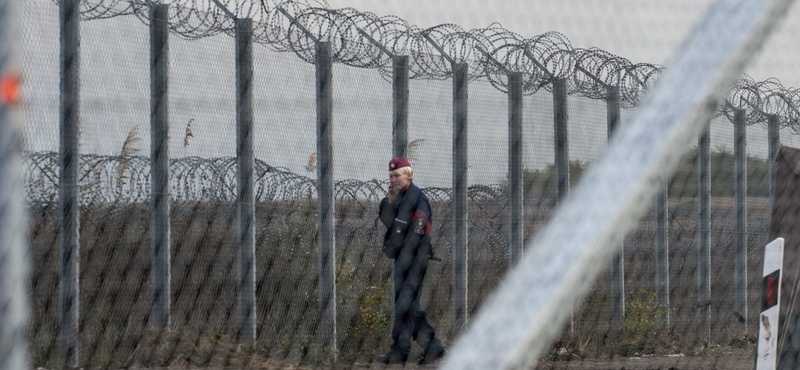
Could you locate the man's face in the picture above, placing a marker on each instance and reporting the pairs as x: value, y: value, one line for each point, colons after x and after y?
x: 399, y: 181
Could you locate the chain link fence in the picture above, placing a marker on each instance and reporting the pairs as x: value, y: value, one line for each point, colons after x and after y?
x: 686, y: 280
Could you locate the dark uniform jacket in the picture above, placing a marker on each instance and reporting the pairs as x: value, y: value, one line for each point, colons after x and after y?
x: 408, y: 222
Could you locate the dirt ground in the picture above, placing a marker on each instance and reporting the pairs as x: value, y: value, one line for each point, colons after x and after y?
x: 726, y: 362
x: 729, y: 361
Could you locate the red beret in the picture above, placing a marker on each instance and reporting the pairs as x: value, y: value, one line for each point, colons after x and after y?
x: 396, y: 163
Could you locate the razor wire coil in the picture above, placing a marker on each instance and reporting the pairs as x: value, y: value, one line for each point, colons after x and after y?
x: 297, y: 25
x: 108, y: 180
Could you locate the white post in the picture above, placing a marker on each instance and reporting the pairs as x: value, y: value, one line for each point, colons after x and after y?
x: 767, y: 351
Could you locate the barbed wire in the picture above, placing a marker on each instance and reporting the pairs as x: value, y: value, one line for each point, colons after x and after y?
x: 365, y: 40
x: 109, y: 180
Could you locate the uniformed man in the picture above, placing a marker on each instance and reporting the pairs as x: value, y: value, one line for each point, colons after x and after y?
x: 406, y: 212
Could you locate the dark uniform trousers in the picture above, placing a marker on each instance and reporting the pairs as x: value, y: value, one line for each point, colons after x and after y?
x: 410, y: 319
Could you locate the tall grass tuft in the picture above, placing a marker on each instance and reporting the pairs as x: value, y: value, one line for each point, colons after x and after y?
x: 188, y: 133
x: 128, y: 150
x: 311, y: 166
x: 413, y: 149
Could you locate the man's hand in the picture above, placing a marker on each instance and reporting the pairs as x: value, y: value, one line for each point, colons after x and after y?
x: 392, y: 194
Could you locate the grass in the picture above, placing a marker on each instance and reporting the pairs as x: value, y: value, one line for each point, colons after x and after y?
x: 115, y: 284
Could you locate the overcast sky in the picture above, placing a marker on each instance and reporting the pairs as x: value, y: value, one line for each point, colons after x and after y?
x: 115, y: 87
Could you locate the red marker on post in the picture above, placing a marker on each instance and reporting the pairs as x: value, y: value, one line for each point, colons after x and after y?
x: 9, y: 90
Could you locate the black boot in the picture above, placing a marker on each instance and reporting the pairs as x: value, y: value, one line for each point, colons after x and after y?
x: 392, y: 357
x: 434, y: 352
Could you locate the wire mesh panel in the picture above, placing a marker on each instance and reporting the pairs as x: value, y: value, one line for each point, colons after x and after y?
x: 14, y: 309
x: 281, y: 118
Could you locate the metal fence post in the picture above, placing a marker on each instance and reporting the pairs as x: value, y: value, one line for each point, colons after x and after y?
x: 561, y: 138
x: 69, y: 222
x: 561, y: 152
x: 325, y: 198
x: 159, y: 164
x: 704, y: 233
x: 774, y: 137
x: 740, y: 191
x: 245, y: 202
x: 400, y: 107
x: 460, y: 196
x: 13, y: 246
x: 661, y: 251
x: 515, y: 176
x: 617, y: 271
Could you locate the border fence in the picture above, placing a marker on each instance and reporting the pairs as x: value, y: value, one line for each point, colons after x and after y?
x: 288, y: 225
x: 14, y: 309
